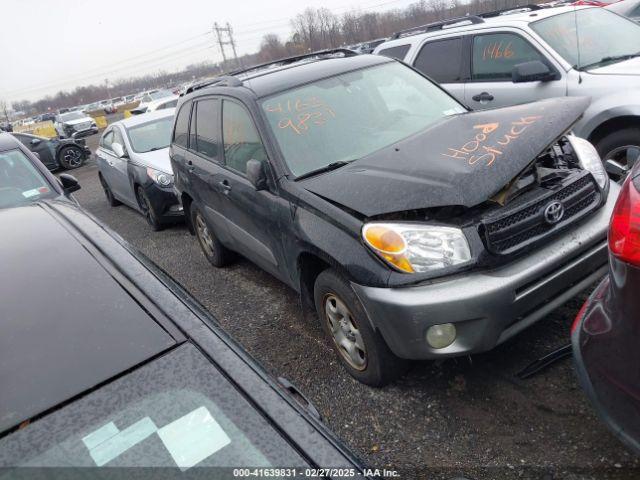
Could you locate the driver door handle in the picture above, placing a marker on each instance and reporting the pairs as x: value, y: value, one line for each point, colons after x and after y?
x: 483, y: 97
x: 225, y: 186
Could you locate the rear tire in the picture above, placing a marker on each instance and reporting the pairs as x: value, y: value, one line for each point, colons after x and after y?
x: 216, y: 253
x: 623, y: 146
x: 360, y: 349
x: 111, y: 200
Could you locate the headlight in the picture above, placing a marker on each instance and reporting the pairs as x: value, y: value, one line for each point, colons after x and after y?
x: 417, y: 248
x: 161, y: 178
x: 590, y: 160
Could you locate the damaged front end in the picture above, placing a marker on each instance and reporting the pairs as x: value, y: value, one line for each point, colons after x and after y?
x: 559, y: 188
x: 552, y: 193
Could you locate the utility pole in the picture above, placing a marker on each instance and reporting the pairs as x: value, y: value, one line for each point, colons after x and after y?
x: 225, y: 37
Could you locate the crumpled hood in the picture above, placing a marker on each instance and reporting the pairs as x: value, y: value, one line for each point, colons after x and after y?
x: 79, y: 121
x: 462, y: 160
x: 158, y: 159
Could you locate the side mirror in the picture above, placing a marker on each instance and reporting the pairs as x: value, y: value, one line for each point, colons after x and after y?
x: 118, y: 149
x: 256, y: 174
x: 37, y: 155
x: 69, y: 183
x: 533, y: 71
x: 35, y: 141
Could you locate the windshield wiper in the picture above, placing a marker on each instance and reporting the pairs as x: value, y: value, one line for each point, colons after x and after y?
x: 326, y: 168
x: 611, y: 59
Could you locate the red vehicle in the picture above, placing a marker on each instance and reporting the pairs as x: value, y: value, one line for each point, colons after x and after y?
x: 606, y: 333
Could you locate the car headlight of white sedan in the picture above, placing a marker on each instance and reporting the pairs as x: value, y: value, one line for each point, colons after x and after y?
x: 161, y: 178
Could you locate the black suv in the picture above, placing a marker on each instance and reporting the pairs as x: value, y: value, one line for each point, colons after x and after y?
x: 415, y: 228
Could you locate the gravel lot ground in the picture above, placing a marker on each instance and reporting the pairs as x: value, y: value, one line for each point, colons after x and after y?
x: 468, y: 416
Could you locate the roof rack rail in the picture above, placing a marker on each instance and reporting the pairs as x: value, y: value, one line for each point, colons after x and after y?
x: 508, y: 11
x: 285, y: 61
x: 472, y: 19
x: 223, y: 81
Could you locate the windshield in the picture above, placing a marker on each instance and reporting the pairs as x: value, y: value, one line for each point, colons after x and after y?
x: 176, y: 411
x: 65, y: 117
x: 590, y: 38
x: 20, y: 181
x: 348, y: 116
x: 152, y: 135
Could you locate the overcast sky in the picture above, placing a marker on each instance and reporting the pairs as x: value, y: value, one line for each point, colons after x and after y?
x: 49, y: 45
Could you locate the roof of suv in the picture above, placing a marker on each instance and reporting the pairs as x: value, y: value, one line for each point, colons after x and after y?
x: 273, y: 79
x: 516, y: 18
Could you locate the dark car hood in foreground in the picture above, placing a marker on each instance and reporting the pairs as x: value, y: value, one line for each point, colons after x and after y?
x: 67, y: 324
x: 463, y: 160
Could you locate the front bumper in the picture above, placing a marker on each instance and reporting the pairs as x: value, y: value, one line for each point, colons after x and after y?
x: 488, y: 307
x: 164, y: 202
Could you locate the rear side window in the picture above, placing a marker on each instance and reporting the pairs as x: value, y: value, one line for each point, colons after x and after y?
x: 398, y: 52
x: 241, y: 140
x: 495, y: 55
x: 207, y: 128
x: 181, y: 130
x: 441, y: 60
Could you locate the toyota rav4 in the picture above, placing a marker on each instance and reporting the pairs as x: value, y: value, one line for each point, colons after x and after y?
x: 415, y: 228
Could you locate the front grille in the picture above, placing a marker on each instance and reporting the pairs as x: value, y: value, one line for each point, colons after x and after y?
x: 518, y: 226
x: 82, y: 126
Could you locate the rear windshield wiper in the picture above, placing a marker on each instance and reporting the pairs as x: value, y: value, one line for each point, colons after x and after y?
x: 612, y: 59
x: 326, y: 168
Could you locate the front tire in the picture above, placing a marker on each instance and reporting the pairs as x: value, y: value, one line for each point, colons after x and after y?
x: 70, y: 157
x: 216, y: 253
x: 622, y: 146
x: 147, y: 210
x: 360, y: 349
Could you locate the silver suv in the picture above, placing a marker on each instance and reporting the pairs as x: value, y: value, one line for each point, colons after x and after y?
x: 519, y: 56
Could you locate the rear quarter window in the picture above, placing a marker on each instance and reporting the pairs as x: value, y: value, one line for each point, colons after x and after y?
x: 181, y: 129
x: 398, y: 52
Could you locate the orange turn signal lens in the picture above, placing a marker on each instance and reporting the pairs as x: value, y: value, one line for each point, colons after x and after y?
x: 389, y: 244
x: 384, y: 240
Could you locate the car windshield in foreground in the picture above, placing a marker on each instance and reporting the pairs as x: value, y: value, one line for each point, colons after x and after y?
x: 152, y: 135
x: 20, y: 181
x: 590, y: 38
x: 65, y: 117
x: 176, y: 411
x: 348, y: 116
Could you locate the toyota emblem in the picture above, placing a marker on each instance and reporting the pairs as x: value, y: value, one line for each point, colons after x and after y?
x: 553, y: 212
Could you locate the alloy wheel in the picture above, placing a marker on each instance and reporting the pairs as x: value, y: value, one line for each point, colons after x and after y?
x: 344, y: 332
x: 204, y: 236
x: 619, y: 161
x: 72, y: 157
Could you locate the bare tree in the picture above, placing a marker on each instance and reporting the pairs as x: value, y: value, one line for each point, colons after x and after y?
x: 4, y: 110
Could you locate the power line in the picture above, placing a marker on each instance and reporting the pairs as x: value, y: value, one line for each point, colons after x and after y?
x: 99, y: 71
x: 163, y: 59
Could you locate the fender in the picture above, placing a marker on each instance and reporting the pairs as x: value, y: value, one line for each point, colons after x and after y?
x: 622, y: 104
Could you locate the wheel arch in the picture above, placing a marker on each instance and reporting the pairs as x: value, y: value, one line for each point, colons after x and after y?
x: 309, y: 265
x: 612, y: 125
